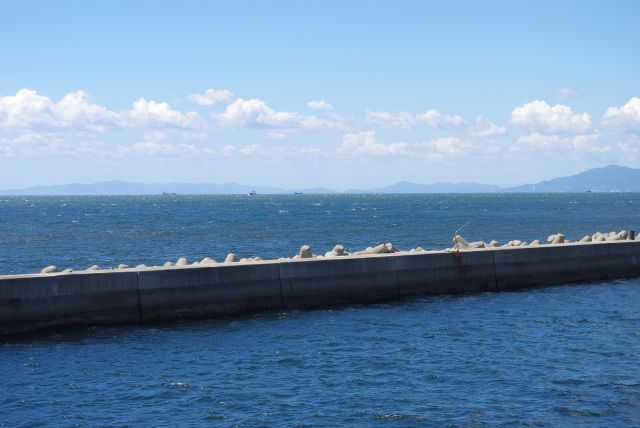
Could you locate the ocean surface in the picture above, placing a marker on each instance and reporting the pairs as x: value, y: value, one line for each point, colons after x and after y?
x: 559, y: 356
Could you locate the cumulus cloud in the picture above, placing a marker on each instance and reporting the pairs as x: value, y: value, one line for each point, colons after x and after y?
x: 365, y: 143
x: 560, y: 143
x: 484, y: 128
x: 449, y: 147
x: 163, y: 149
x: 32, y: 111
x: 319, y: 105
x: 29, y: 111
x: 212, y: 97
x: 406, y: 120
x: 255, y: 113
x: 382, y: 119
x: 626, y: 117
x: 541, y: 117
x: 160, y: 114
x: 435, y: 119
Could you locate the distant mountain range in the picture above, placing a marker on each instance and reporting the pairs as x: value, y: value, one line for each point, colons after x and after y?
x: 612, y: 178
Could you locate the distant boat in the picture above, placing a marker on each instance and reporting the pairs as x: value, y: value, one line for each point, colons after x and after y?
x: 588, y: 191
x: 252, y: 193
x: 168, y: 194
x: 297, y: 193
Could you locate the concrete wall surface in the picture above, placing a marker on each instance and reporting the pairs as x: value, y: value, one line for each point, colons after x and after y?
x: 33, y: 302
x: 194, y: 292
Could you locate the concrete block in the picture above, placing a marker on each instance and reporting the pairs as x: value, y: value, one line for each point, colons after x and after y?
x: 445, y: 272
x: 521, y: 267
x: 33, y: 302
x: 339, y: 280
x: 610, y: 260
x: 211, y: 291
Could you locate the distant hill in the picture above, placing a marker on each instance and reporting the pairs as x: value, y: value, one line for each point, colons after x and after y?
x: 407, y: 187
x: 128, y: 188
x: 612, y: 178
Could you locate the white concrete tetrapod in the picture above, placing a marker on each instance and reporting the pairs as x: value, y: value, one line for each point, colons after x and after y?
x: 49, y: 269
x: 231, y: 258
x: 168, y: 264
x: 94, y: 267
x: 182, y: 261
x: 123, y: 266
x: 558, y: 238
x: 585, y: 238
x: 305, y: 252
x: 338, y: 250
x: 460, y: 242
x: 378, y: 249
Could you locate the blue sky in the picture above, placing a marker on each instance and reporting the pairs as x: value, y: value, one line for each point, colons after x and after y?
x: 337, y: 94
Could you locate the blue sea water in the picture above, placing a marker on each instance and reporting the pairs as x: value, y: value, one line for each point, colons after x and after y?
x: 559, y: 356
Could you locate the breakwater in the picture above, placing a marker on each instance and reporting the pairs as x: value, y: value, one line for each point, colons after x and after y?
x: 33, y: 302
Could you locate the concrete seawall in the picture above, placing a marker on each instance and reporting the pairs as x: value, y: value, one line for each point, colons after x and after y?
x: 34, y: 302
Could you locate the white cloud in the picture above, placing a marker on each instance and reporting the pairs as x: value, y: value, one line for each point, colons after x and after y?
x: 449, y: 147
x: 319, y: 105
x: 541, y: 117
x: 156, y: 136
x: 158, y: 114
x: 560, y: 143
x: 626, y: 117
x: 275, y: 135
x: 484, y: 128
x: 255, y: 113
x: 365, y: 143
x: 435, y: 119
x: 406, y: 120
x: 212, y: 97
x: 49, y: 144
x: 382, y: 119
x: 564, y: 93
x: 630, y: 149
x: 32, y: 111
x: 163, y: 150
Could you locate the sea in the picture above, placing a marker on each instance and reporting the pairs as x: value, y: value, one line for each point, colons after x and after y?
x: 567, y: 355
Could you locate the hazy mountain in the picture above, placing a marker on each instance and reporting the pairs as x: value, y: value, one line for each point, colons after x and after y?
x: 127, y: 188
x: 612, y: 178
x: 406, y: 187
x: 608, y: 179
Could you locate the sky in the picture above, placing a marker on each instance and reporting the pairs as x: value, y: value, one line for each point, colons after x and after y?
x: 338, y: 94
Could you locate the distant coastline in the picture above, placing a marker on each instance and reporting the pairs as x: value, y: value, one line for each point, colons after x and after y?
x: 607, y: 179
